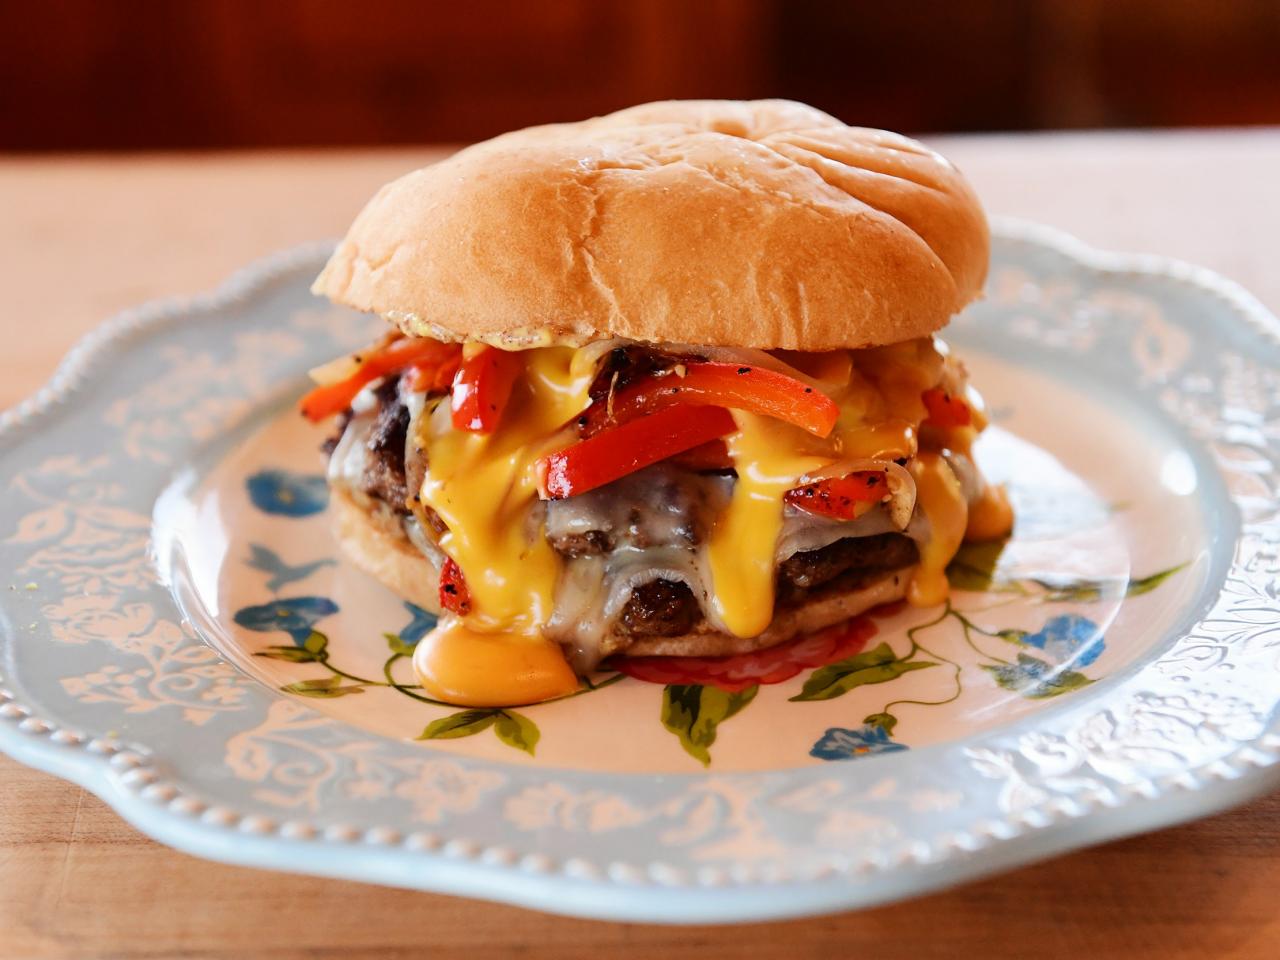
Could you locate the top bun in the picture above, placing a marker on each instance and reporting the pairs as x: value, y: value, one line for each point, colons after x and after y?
x: 764, y: 224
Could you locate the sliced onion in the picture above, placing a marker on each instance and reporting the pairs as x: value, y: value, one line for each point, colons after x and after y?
x: 418, y: 536
x: 335, y: 371
x: 588, y: 357
x: 802, y: 532
x: 967, y: 474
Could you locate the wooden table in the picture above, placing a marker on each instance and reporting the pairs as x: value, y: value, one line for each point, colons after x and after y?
x: 81, y: 238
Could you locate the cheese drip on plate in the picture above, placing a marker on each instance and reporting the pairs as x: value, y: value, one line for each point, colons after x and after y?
x: 484, y: 489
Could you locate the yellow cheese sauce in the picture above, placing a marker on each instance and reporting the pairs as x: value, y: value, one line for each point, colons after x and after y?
x: 483, y: 486
x: 741, y: 550
x: 484, y: 489
x: 990, y: 516
x: 457, y: 664
x: 940, y: 499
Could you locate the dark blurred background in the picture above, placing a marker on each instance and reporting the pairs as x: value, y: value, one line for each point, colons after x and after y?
x: 177, y: 74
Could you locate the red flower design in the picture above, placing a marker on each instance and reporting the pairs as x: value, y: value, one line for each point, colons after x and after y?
x: 773, y: 665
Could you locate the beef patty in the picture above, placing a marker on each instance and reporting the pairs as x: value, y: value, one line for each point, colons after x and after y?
x: 384, y: 472
x: 663, y: 608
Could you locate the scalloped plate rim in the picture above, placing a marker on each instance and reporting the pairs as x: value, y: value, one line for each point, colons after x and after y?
x: 1248, y: 770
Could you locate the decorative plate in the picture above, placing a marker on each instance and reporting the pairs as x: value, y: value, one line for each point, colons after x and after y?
x: 179, y: 635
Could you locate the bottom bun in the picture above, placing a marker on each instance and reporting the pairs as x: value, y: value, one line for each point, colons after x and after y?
x: 375, y: 543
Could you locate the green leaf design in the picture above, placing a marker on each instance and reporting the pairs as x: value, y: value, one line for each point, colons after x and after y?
x: 323, y: 688
x: 886, y: 720
x: 1146, y: 584
x: 1011, y: 635
x: 517, y: 730
x: 693, y: 712
x: 1033, y: 678
x: 1078, y: 591
x: 397, y: 645
x: 974, y: 565
x: 1090, y: 591
x: 872, y: 666
x: 289, y: 654
x: 316, y: 643
x: 466, y: 723
x: 513, y: 729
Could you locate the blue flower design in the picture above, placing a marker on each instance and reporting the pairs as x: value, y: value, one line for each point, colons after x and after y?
x: 296, y: 616
x: 288, y: 494
x: 1035, y: 679
x: 839, y: 743
x: 1068, y: 638
x: 423, y: 620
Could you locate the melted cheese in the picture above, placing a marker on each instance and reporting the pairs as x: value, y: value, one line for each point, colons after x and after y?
x: 891, y: 439
x: 743, y: 541
x: 483, y: 487
x: 943, y: 504
x: 990, y: 516
x: 459, y: 665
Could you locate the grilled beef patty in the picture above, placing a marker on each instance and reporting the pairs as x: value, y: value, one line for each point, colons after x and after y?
x: 662, y: 608
x: 809, y: 571
x: 659, y: 608
x: 384, y: 476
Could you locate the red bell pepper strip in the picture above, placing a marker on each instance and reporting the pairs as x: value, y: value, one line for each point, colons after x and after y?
x: 712, y: 455
x: 624, y: 449
x: 333, y: 398
x: 840, y: 497
x: 754, y: 389
x: 433, y: 377
x: 945, y: 410
x: 454, y: 595
x: 481, y: 389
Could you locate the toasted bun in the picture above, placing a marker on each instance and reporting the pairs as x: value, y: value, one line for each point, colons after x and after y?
x: 762, y: 224
x: 373, y: 545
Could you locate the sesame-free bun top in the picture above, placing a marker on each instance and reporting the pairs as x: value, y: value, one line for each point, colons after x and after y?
x: 764, y: 224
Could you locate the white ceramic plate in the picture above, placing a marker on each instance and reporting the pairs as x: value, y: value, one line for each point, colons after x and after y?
x: 178, y: 634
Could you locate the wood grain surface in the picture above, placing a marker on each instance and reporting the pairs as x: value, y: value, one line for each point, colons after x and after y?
x: 81, y: 238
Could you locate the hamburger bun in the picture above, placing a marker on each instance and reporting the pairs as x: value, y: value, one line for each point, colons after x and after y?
x: 764, y: 224
x: 373, y: 543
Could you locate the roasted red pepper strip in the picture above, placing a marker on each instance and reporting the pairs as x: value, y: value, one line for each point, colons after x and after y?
x: 395, y: 356
x: 754, y: 389
x: 839, y: 497
x: 623, y: 449
x: 433, y: 377
x: 945, y: 410
x: 712, y: 455
x: 481, y: 389
x: 454, y: 595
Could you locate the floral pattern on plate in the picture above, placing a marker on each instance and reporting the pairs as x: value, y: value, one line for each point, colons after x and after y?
x: 1156, y: 383
x: 700, y: 694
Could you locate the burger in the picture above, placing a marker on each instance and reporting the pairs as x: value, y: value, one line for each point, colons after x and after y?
x: 663, y: 382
